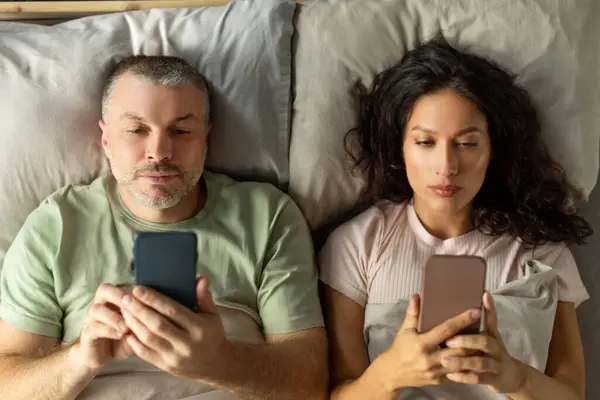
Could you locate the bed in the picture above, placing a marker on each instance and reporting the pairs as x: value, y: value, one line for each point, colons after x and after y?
x: 315, y: 51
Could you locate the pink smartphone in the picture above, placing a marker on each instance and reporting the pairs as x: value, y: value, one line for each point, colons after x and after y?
x: 451, y: 285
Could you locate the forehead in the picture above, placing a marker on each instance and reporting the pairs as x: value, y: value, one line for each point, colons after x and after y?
x: 445, y: 111
x: 137, y: 95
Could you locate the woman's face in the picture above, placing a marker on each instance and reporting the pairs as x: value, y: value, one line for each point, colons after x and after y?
x: 446, y: 151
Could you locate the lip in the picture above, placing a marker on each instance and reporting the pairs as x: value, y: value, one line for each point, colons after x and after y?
x: 445, y: 190
x: 159, y: 174
x: 159, y: 178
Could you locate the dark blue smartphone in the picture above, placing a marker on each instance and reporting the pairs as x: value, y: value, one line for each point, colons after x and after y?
x: 166, y: 262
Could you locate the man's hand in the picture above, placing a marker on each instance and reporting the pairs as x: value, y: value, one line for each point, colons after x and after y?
x: 172, y: 337
x: 103, y: 334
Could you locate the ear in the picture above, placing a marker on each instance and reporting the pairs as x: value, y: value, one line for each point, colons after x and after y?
x: 104, y: 130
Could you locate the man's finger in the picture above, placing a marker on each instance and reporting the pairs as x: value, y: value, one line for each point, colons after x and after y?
x: 156, y: 312
x: 108, y: 293
x: 97, y: 330
x: 143, y: 352
x: 411, y: 319
x: 204, y: 299
x: 161, y: 305
x: 145, y: 336
x: 105, y: 315
x: 450, y: 328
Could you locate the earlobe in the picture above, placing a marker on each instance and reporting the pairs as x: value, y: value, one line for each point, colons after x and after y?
x: 102, y: 126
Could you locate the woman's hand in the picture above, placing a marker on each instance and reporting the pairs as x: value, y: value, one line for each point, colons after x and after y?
x: 414, y: 359
x: 492, y: 365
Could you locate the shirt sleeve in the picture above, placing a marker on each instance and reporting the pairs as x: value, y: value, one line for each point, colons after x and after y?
x: 345, y: 258
x: 27, y: 296
x: 570, y: 285
x: 288, y: 297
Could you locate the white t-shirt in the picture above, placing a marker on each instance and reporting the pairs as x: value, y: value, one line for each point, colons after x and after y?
x: 377, y: 257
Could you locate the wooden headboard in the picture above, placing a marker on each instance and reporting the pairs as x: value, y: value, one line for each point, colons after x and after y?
x: 49, y: 11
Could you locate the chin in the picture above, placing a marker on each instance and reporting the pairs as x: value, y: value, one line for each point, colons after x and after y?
x: 448, y: 205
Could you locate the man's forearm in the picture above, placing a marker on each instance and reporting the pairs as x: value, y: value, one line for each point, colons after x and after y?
x: 539, y: 386
x: 272, y: 371
x: 51, y: 377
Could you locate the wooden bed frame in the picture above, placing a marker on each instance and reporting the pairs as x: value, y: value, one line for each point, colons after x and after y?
x: 64, y: 10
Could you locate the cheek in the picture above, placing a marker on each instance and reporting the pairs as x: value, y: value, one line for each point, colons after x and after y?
x: 417, y: 164
x: 477, y: 167
x: 124, y: 157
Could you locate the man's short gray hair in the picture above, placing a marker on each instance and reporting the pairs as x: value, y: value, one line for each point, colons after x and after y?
x: 161, y: 70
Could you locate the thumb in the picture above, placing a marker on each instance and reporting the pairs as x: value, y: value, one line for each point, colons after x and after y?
x: 204, y: 299
x: 491, y: 316
x: 411, y: 320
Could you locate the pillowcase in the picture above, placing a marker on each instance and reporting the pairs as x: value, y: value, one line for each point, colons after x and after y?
x: 549, y: 44
x: 50, y: 90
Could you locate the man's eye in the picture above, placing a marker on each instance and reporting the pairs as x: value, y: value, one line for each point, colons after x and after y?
x: 136, y: 131
x: 181, y: 131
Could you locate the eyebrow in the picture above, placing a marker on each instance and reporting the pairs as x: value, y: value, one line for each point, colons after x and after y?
x: 185, y: 117
x: 463, y: 131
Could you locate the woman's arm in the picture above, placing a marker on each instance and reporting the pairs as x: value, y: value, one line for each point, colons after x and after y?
x: 349, y: 359
x: 565, y: 372
x: 412, y: 360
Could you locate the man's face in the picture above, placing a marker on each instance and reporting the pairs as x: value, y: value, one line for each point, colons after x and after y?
x: 155, y: 139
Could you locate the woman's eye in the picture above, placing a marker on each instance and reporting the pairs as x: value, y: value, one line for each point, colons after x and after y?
x: 467, y: 144
x: 425, y: 143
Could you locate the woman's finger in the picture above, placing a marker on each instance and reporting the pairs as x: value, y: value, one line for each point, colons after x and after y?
x: 469, y: 378
x: 471, y: 364
x: 481, y: 342
x: 491, y: 316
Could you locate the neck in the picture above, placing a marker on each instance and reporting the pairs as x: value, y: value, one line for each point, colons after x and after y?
x: 189, y: 206
x: 444, y: 225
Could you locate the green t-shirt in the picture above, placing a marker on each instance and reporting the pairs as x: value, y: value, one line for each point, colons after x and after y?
x: 253, y: 243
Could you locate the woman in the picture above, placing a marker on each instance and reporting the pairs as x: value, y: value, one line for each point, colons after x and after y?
x: 455, y: 165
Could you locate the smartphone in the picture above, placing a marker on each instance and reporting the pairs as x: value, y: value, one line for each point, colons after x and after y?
x: 166, y: 262
x: 451, y: 285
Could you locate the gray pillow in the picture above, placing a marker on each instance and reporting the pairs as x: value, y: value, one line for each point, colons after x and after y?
x: 341, y: 42
x: 50, y: 78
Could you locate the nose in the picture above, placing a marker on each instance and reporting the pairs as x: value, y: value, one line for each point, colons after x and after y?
x: 448, y: 161
x: 159, y: 147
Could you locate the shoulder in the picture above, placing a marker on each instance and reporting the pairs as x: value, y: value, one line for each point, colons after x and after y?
x: 376, y: 220
x: 64, y: 204
x: 365, y: 233
x: 252, y: 191
x: 78, y: 196
x: 548, y: 253
x: 258, y: 203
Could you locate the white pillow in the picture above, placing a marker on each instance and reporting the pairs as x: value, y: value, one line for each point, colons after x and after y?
x: 343, y: 41
x: 50, y: 81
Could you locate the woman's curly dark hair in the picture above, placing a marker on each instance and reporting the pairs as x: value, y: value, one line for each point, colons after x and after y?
x: 525, y: 193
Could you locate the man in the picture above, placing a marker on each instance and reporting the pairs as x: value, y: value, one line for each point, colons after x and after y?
x: 68, y: 327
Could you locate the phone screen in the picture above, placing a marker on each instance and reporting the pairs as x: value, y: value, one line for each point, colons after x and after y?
x: 166, y: 262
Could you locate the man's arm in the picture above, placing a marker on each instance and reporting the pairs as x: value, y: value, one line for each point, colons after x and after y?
x: 194, y: 346
x: 36, y: 367
x: 288, y: 366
